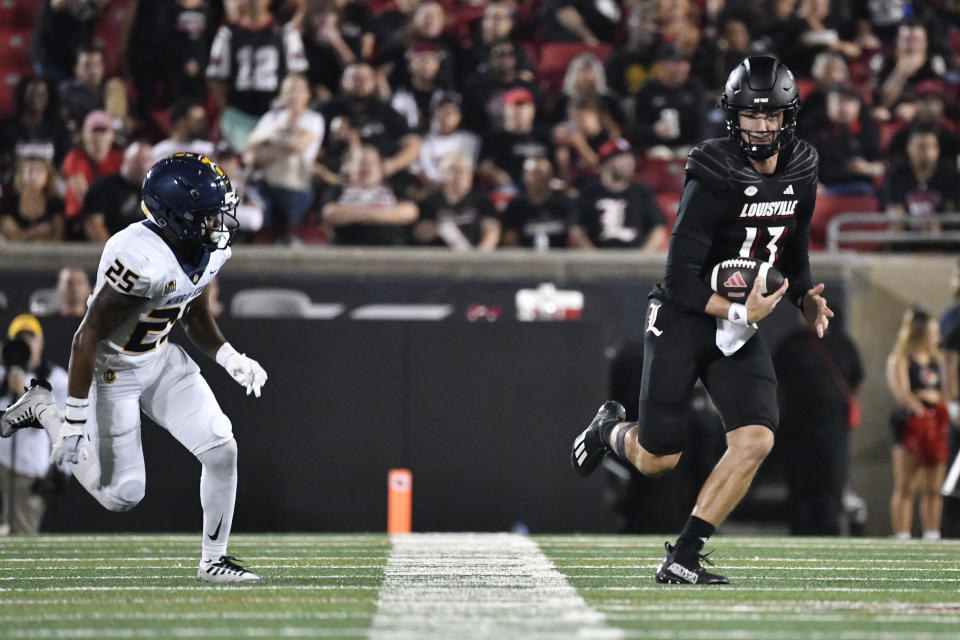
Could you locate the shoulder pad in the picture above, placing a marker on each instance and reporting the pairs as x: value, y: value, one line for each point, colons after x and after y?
x: 804, y: 163
x: 717, y: 163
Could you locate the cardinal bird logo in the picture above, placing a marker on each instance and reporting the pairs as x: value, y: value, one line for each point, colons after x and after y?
x: 735, y: 281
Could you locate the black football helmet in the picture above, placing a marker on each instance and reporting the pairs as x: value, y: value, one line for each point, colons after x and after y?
x: 764, y: 84
x: 190, y: 197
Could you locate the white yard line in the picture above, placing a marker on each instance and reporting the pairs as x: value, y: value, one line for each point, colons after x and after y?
x: 470, y: 586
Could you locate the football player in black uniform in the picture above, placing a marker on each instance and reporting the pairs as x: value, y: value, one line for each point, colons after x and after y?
x: 749, y: 195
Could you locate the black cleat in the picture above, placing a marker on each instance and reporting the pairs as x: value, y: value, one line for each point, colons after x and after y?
x: 672, y: 571
x: 588, y: 448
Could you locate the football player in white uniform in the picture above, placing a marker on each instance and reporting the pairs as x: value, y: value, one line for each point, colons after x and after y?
x: 152, y: 274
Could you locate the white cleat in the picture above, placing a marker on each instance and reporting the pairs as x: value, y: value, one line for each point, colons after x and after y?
x: 225, y: 569
x: 30, y: 409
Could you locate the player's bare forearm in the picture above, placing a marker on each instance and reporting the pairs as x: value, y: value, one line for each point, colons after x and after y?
x: 83, y: 354
x: 107, y: 311
x: 718, y: 306
x: 201, y: 327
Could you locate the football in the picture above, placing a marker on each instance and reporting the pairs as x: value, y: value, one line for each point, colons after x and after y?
x: 734, y: 278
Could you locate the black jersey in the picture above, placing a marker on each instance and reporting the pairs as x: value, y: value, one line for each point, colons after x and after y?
x: 253, y: 63
x: 542, y: 226
x: 463, y: 220
x: 730, y: 210
x: 618, y: 219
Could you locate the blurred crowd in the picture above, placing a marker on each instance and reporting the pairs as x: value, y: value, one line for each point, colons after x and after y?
x: 469, y: 124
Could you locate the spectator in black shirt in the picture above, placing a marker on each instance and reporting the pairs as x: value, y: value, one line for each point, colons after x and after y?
x: 588, y: 21
x: 483, y: 96
x: 113, y: 202
x: 812, y: 30
x: 930, y: 110
x: 615, y: 210
x: 630, y: 66
x: 829, y: 70
x: 542, y: 216
x: 426, y: 27
x: 496, y: 25
x: 924, y: 186
x: 62, y: 26
x: 586, y: 83
x: 337, y: 33
x: 36, y: 122
x: 413, y: 99
x: 848, y: 144
x: 910, y: 63
x: 579, y: 140
x: 504, y: 152
x: 33, y: 211
x: 716, y: 58
x: 83, y: 93
x: 365, y: 210
x: 393, y: 20
x: 670, y: 108
x: 458, y: 216
x: 168, y: 48
x: 370, y: 120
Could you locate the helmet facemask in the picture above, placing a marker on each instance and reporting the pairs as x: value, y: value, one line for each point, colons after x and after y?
x: 760, y: 145
x: 217, y: 226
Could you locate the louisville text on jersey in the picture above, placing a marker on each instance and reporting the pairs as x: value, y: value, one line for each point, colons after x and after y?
x: 768, y: 209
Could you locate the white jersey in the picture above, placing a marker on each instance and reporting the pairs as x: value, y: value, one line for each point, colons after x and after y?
x: 138, y: 262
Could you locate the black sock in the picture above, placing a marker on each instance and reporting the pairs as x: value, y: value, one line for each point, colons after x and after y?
x: 694, y: 535
x: 605, y: 430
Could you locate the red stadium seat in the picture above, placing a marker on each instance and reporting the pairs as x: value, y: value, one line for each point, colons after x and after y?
x: 663, y: 176
x: 8, y: 90
x: 18, y: 14
x: 15, y: 49
x: 556, y: 56
x: 829, y: 206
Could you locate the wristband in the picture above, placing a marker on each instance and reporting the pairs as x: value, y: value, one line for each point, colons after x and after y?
x: 737, y: 314
x: 224, y: 353
x: 76, y: 410
x: 953, y: 409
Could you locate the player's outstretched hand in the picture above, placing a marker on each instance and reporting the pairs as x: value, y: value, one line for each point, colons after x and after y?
x: 815, y: 309
x: 243, y: 369
x: 760, y: 306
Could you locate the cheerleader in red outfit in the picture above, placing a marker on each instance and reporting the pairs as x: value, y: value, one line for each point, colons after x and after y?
x: 920, y: 424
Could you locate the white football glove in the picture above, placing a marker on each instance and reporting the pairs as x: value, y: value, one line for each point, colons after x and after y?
x: 70, y: 444
x: 244, y: 370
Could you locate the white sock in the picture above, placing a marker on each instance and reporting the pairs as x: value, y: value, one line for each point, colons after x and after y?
x: 932, y: 534
x: 218, y: 492
x: 902, y: 535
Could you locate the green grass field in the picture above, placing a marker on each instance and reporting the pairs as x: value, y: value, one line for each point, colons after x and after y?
x: 496, y: 586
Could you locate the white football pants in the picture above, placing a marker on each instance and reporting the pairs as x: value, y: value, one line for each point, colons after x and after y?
x: 172, y: 393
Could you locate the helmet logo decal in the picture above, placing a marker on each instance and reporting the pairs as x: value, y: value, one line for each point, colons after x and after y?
x: 761, y: 99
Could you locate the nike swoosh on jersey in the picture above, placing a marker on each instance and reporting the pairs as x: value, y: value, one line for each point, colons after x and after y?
x: 213, y: 536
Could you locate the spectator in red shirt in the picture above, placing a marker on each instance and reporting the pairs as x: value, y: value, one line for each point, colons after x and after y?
x: 95, y: 157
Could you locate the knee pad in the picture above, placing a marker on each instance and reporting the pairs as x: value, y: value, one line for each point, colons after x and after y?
x: 221, y: 456
x: 221, y: 426
x: 125, y: 494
